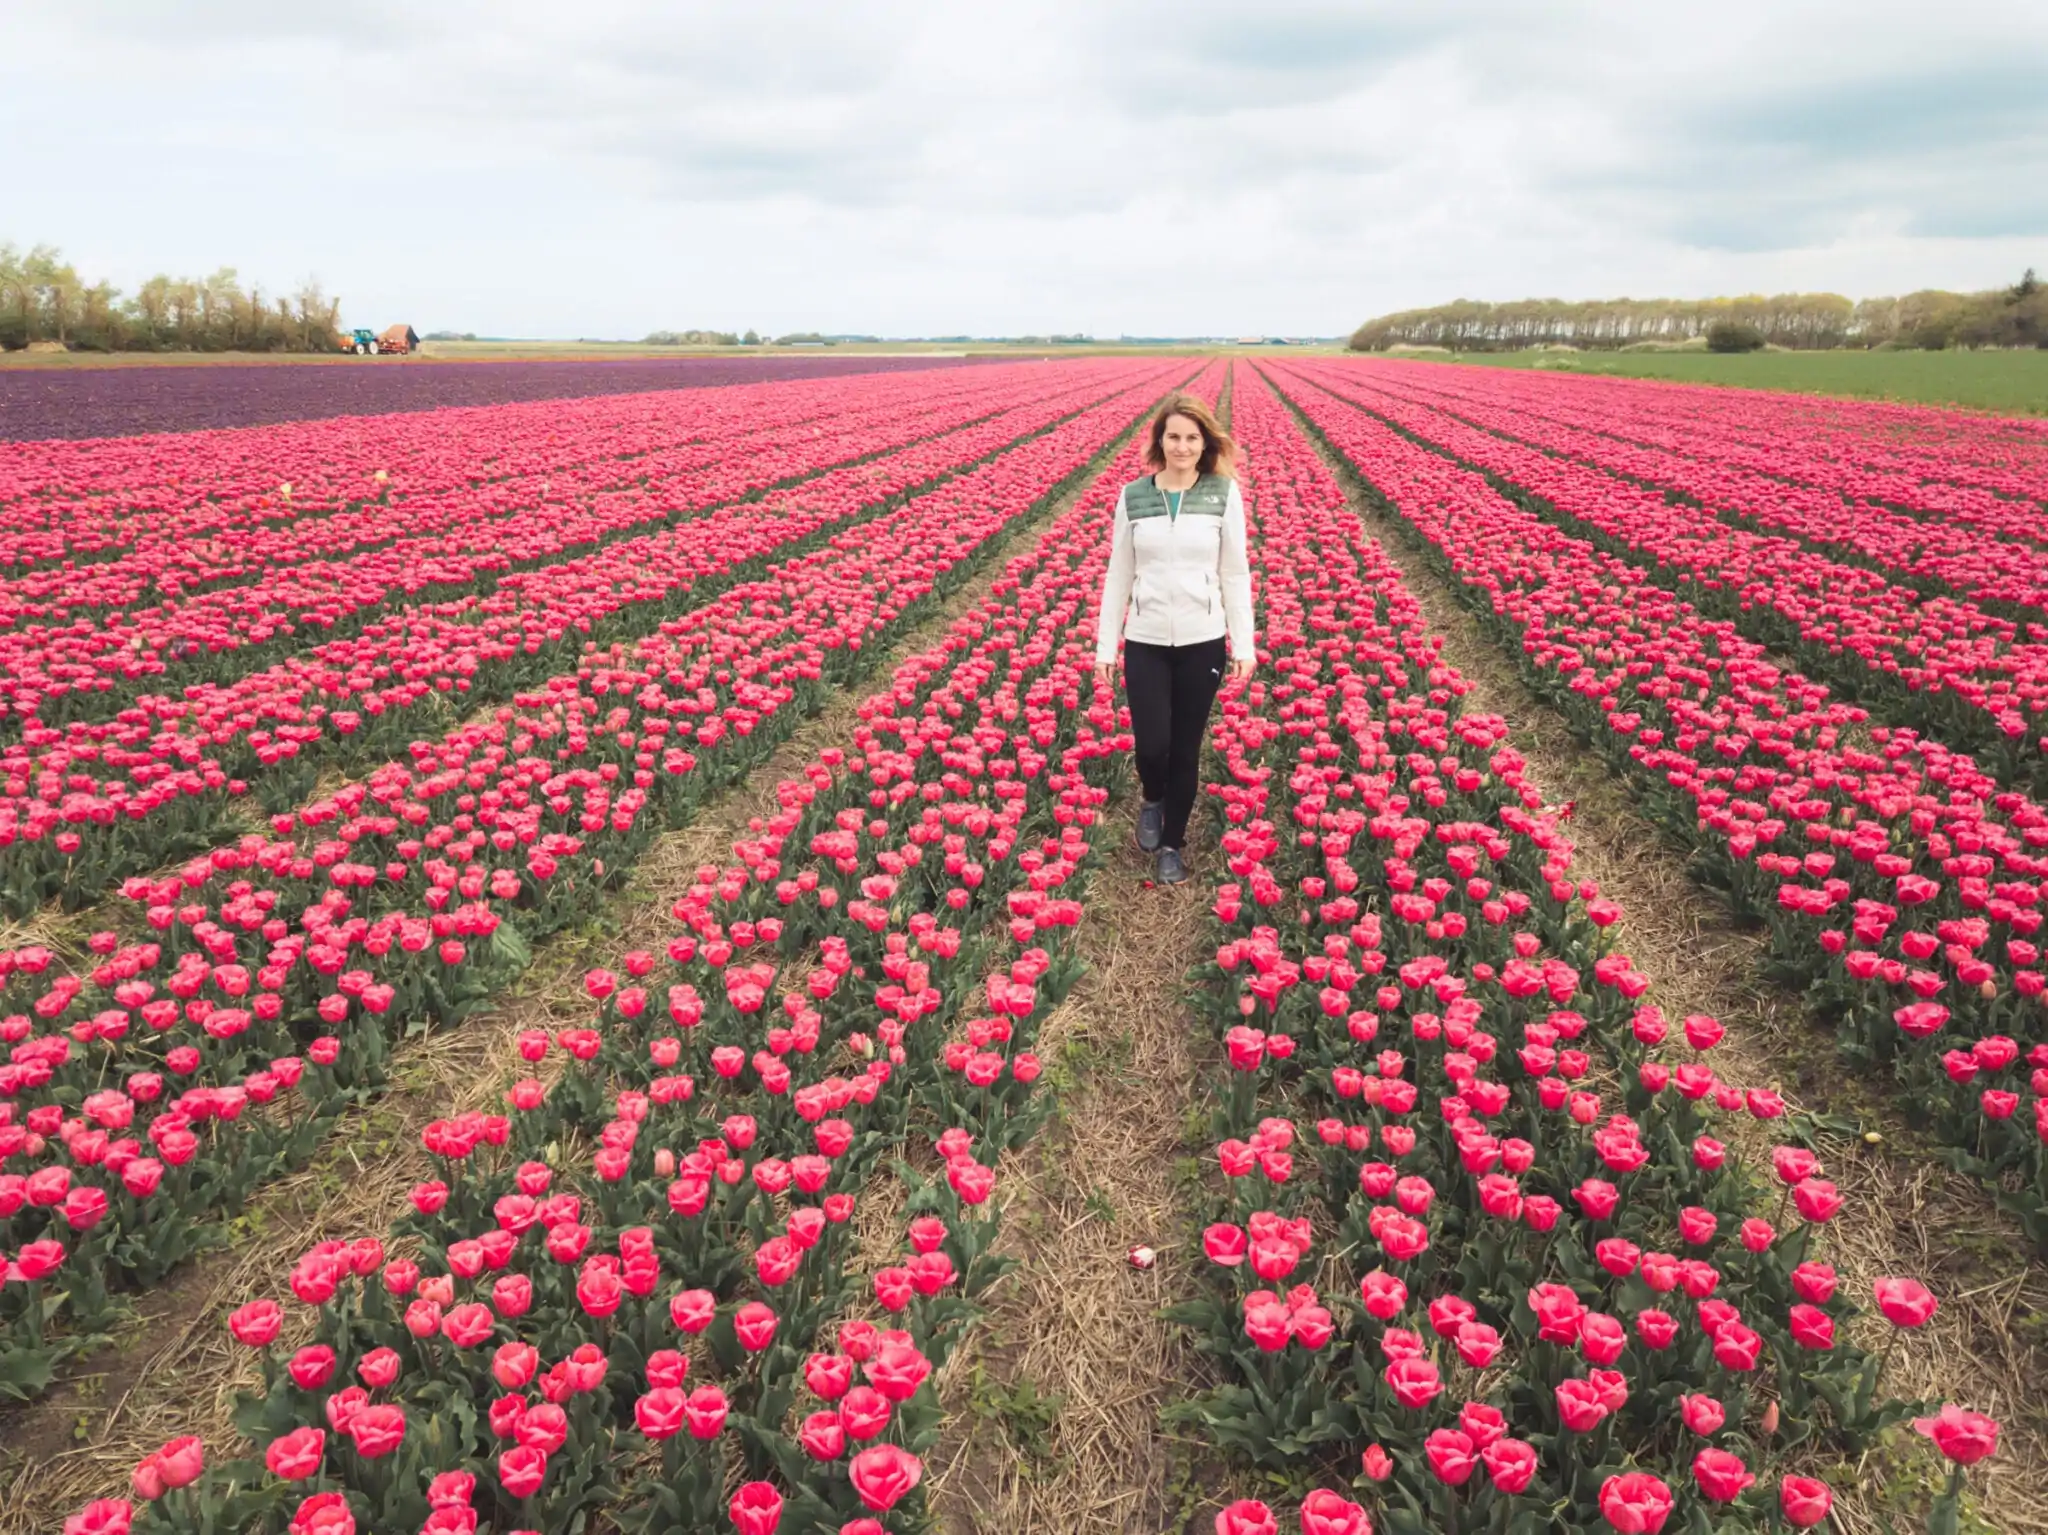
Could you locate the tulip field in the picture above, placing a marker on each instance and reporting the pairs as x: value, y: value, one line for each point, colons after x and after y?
x: 78, y: 402
x: 317, y: 733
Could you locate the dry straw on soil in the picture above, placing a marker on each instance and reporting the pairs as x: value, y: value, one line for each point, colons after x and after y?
x: 1055, y: 1411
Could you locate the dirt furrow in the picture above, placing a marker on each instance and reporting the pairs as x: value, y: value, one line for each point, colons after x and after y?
x: 1056, y: 1408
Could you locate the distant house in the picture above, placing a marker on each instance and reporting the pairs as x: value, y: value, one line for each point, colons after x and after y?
x: 1251, y: 340
x: 399, y: 338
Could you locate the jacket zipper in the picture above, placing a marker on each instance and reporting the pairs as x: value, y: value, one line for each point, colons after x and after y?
x: 1208, y: 577
x: 1172, y: 524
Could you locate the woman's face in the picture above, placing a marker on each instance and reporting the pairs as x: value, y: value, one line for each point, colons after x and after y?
x: 1182, y: 444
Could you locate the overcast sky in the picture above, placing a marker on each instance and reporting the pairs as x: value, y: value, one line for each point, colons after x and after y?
x: 609, y: 167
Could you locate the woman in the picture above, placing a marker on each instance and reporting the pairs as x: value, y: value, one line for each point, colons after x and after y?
x: 1177, y: 563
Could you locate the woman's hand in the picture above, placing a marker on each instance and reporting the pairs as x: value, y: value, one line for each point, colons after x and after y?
x: 1241, y: 670
x: 1105, y: 676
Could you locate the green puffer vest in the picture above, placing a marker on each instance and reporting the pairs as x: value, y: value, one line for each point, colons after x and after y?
x: 1209, y: 496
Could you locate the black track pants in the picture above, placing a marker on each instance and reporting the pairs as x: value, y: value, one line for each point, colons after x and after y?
x: 1171, y: 689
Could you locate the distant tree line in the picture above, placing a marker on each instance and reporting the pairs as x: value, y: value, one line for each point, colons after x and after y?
x: 44, y: 299
x: 701, y: 338
x: 1931, y: 318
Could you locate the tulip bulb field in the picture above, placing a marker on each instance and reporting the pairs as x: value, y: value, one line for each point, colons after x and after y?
x: 323, y: 740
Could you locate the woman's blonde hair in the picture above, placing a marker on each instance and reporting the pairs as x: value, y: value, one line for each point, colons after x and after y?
x: 1219, y: 452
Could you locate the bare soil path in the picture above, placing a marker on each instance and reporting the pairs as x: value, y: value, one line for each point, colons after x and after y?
x: 1055, y: 1410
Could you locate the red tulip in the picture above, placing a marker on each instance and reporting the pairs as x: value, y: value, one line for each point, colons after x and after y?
x: 822, y: 1436
x: 1816, y: 1199
x: 896, y: 1370
x: 1963, y: 1436
x: 755, y: 1325
x: 181, y: 1461
x: 864, y: 1413
x: 521, y: 1470
x: 378, y: 1368
x: 1451, y: 1456
x: 1511, y: 1464
x: 1815, y: 1282
x: 296, y: 1455
x: 1268, y: 1322
x: 882, y: 1475
x: 1905, y: 1302
x: 514, y: 1365
x: 257, y: 1324
x: 102, y: 1516
x: 1657, y: 1329
x: 1478, y: 1345
x: 1702, y: 1414
x: 1736, y: 1347
x: 692, y: 1310
x: 705, y: 1410
x: 146, y: 1481
x: 325, y: 1513
x: 469, y: 1326
x: 377, y: 1430
x: 1804, y: 1501
x: 1383, y: 1294
x: 1414, y: 1382
x: 1328, y: 1513
x: 1579, y: 1405
x: 1558, y: 1313
x: 659, y: 1413
x: 1225, y: 1245
x: 1601, y: 1338
x: 1635, y: 1503
x: 1722, y: 1477
x: 828, y: 1375
x: 756, y: 1509
x: 1247, y: 1516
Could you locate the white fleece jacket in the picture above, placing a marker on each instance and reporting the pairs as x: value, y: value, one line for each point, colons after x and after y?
x: 1183, y: 580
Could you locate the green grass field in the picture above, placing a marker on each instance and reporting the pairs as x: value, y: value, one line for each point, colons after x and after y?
x: 2011, y: 383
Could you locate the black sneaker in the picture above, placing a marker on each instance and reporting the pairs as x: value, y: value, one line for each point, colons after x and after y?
x: 1172, y: 869
x: 1151, y: 824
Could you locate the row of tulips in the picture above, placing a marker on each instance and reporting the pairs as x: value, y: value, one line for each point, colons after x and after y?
x: 671, y: 1287
x: 184, y: 509
x: 276, y: 974
x: 1479, y: 1229
x: 2005, y: 571
x: 1972, y: 474
x: 174, y: 767
x: 1940, y: 664
x: 1902, y: 884
x: 576, y: 502
x: 67, y: 661
x: 179, y: 551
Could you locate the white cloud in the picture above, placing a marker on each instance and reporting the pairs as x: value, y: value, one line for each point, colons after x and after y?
x: 613, y: 166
